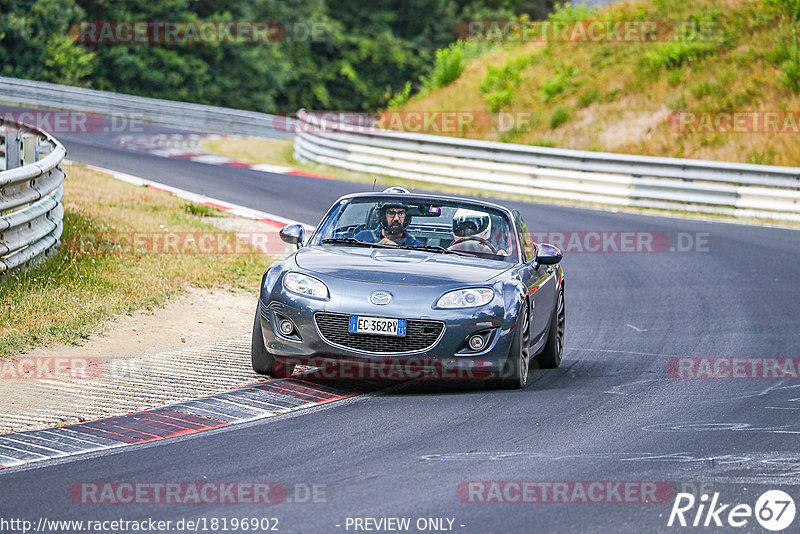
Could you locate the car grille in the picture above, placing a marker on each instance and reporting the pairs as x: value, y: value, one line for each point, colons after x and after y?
x: 420, y: 335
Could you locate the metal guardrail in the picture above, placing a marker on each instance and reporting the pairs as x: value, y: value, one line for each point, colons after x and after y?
x: 170, y: 112
x: 741, y: 190
x: 31, y: 214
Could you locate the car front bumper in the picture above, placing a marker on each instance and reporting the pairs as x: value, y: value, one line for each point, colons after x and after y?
x: 447, y: 357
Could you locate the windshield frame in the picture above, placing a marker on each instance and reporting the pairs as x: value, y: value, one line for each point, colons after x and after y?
x: 517, y: 257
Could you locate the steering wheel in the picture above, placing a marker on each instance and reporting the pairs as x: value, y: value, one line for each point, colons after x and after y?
x: 485, y: 242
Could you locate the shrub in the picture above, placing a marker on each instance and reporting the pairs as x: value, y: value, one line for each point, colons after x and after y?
x: 787, y: 56
x: 588, y: 97
x: 673, y: 54
x: 706, y: 88
x: 499, y: 83
x: 401, y: 97
x: 201, y: 210
x: 559, y: 117
x: 450, y: 62
x: 570, y: 13
x: 556, y: 85
x: 448, y: 66
x: 791, y: 67
x: 693, y: 42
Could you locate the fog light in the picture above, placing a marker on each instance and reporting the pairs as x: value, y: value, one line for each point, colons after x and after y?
x: 286, y: 327
x: 476, y: 342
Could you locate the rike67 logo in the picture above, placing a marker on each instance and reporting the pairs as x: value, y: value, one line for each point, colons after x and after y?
x: 774, y: 510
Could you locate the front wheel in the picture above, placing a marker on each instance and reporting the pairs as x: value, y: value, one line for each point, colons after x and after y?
x: 550, y: 357
x: 515, y: 373
x: 263, y: 362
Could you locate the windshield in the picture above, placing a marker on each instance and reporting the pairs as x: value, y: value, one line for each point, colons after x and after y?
x: 436, y: 225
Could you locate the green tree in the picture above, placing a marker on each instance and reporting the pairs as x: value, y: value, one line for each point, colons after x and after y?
x: 34, y: 41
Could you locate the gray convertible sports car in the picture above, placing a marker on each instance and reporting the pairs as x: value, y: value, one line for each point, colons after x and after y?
x: 398, y: 281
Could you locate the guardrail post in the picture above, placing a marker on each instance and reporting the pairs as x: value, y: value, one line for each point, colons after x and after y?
x: 29, y: 155
x: 42, y: 149
x: 12, y: 150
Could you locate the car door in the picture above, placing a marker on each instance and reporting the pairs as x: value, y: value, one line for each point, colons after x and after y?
x: 539, y: 281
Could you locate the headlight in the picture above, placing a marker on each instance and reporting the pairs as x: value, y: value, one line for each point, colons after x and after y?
x: 305, y: 285
x: 465, y: 298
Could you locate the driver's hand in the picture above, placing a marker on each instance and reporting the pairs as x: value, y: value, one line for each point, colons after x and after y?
x: 386, y: 241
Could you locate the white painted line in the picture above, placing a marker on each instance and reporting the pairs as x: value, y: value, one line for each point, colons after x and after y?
x: 29, y: 444
x: 266, y: 167
x: 212, y: 159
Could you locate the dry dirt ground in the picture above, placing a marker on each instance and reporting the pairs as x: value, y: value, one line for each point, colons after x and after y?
x: 196, y: 345
x: 195, y: 317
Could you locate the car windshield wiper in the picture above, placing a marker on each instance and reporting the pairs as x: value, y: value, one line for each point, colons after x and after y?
x: 436, y: 248
x: 356, y: 242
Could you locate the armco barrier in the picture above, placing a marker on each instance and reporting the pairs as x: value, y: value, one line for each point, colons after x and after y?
x: 741, y: 190
x: 173, y: 113
x: 31, y: 214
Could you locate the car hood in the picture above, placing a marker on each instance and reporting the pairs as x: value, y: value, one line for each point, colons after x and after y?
x: 397, y: 266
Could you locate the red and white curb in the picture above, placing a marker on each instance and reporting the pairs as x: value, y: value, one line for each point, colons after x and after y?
x: 235, y: 209
x: 249, y: 403
x: 188, y: 147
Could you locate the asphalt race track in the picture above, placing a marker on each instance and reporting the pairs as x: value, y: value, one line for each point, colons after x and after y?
x: 618, y: 410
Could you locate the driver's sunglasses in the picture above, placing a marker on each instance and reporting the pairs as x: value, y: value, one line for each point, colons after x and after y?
x: 391, y: 214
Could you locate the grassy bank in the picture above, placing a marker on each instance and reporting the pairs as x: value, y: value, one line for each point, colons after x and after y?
x: 92, y: 277
x: 712, y: 57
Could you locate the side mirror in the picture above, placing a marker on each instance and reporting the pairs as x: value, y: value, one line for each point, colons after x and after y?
x: 293, y: 234
x: 547, y: 254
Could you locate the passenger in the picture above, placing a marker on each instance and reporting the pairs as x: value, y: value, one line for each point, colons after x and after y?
x: 472, y: 232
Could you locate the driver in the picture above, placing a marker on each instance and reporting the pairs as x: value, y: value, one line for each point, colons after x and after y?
x: 394, y: 219
x: 472, y: 232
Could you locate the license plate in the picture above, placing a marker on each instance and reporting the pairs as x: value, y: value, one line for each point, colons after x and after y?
x: 360, y: 324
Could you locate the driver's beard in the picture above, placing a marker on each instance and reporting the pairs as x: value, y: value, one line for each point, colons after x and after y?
x: 395, y: 228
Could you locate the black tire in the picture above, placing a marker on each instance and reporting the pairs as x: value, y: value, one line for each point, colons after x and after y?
x: 263, y: 362
x: 550, y: 357
x: 515, y: 372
